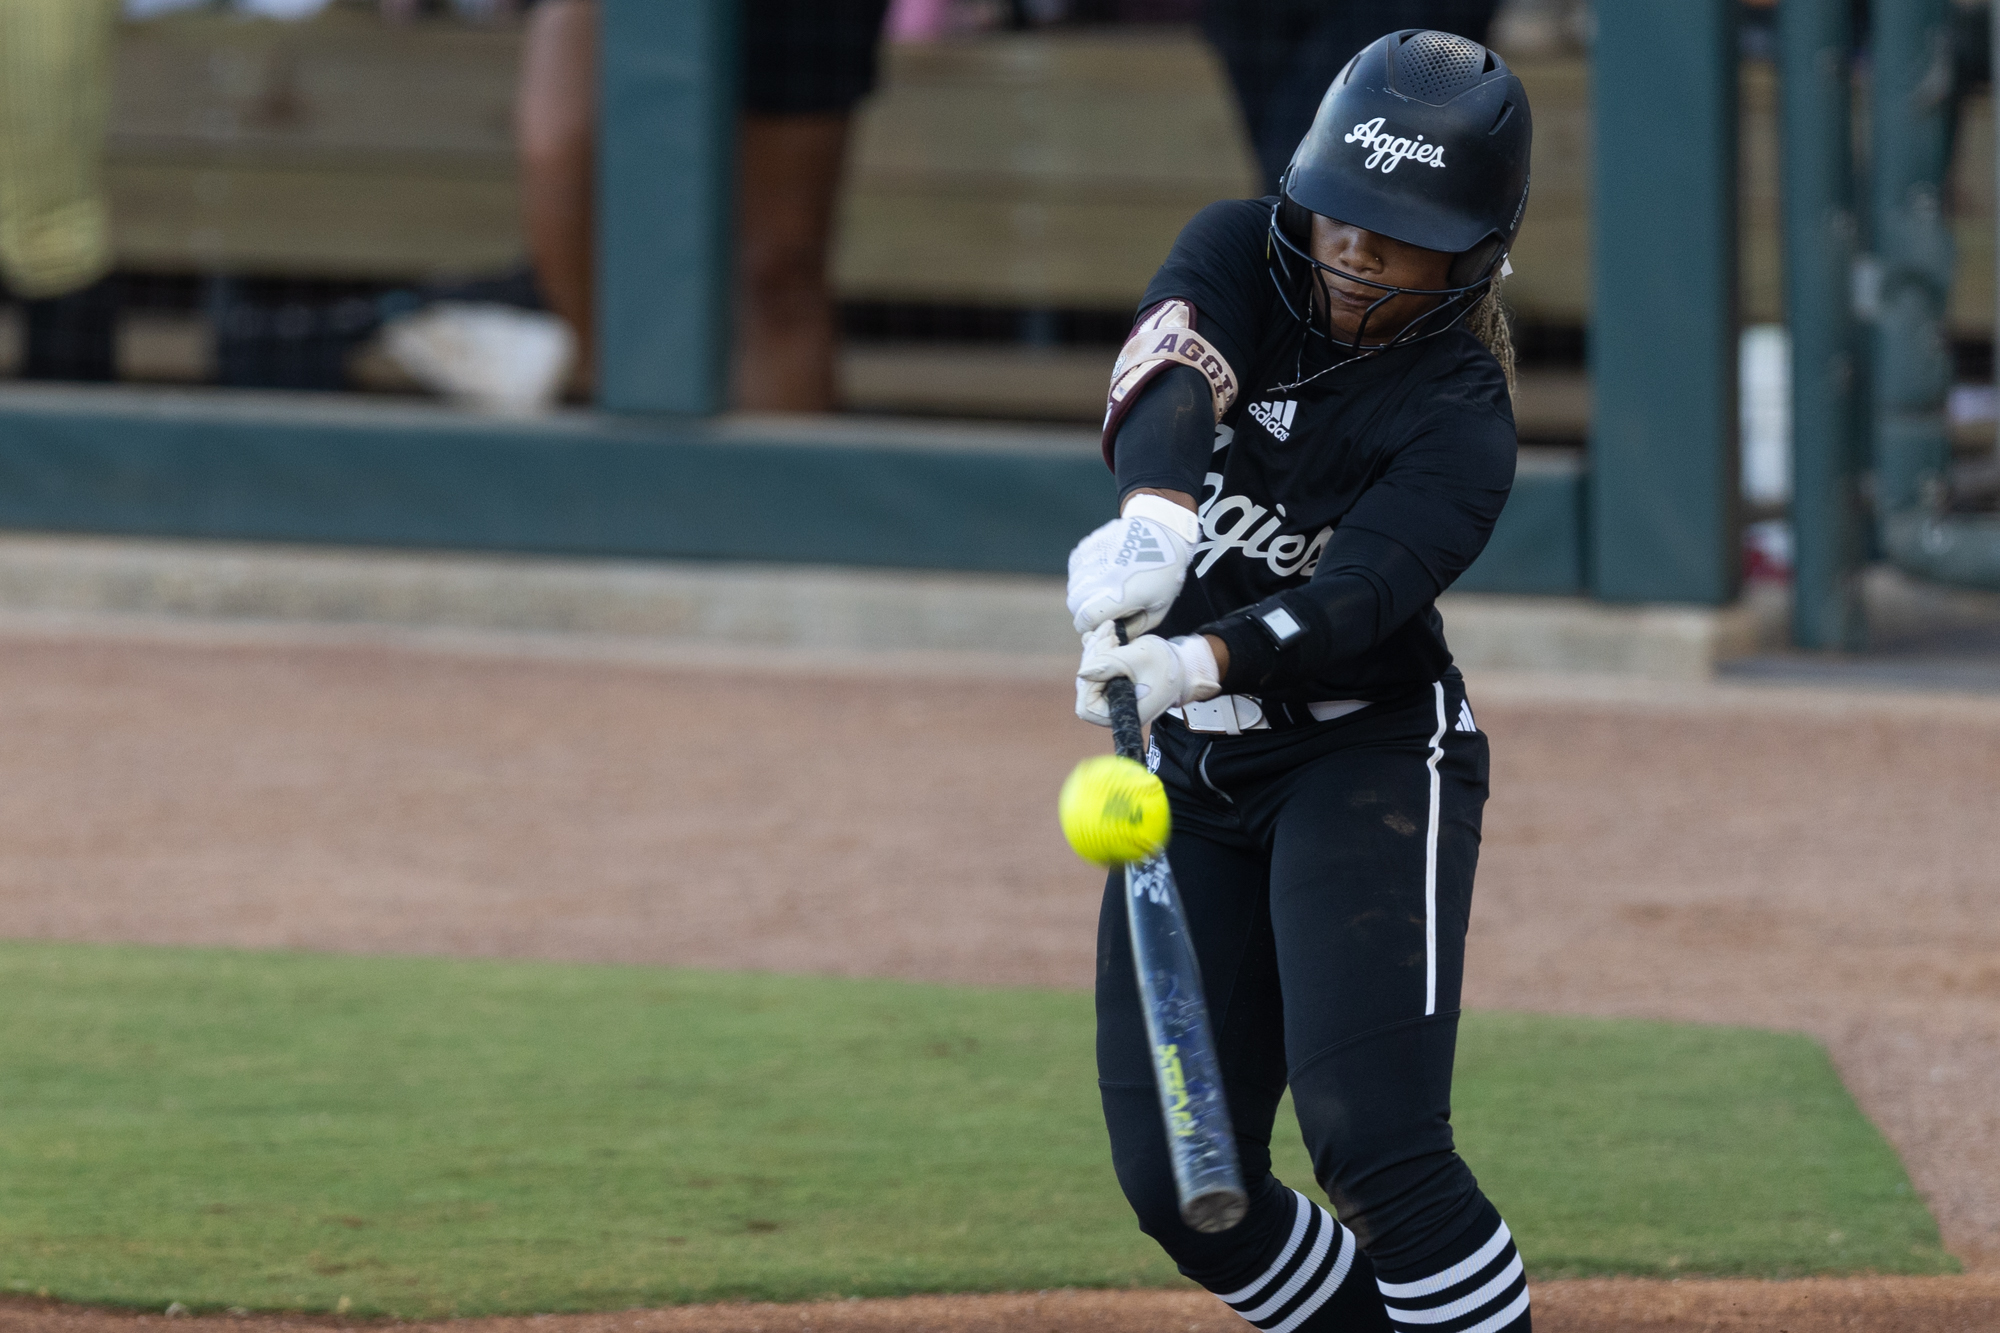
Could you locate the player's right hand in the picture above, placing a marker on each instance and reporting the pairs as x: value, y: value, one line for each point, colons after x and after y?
x: 1131, y: 570
x: 1164, y: 673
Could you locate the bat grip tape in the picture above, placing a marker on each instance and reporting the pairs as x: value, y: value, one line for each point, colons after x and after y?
x: 1123, y: 699
x: 1121, y: 696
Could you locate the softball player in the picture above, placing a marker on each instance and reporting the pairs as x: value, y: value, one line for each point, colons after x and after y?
x: 1312, y: 435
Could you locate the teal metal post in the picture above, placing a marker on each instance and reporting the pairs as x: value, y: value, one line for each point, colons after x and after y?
x: 1910, y: 113
x: 1663, y: 469
x: 665, y: 180
x: 1829, y: 440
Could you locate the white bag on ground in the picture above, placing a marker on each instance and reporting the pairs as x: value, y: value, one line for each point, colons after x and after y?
x: 494, y: 358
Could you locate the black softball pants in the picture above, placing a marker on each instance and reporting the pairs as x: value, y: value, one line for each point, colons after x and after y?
x: 1327, y: 875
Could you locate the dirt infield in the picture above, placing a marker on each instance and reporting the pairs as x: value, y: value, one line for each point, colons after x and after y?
x: 1876, y: 1305
x: 1774, y: 858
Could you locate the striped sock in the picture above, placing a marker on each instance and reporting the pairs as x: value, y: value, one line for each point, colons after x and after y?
x: 1318, y: 1256
x: 1485, y: 1292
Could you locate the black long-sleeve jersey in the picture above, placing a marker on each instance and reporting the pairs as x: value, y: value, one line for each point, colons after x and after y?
x: 1351, y: 500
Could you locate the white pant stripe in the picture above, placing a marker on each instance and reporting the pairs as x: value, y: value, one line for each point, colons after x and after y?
x: 1452, y: 1276
x: 1431, y: 863
x: 1299, y: 1221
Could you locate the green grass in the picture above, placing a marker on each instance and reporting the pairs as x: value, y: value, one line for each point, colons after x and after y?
x: 1618, y: 1146
x: 417, y: 1137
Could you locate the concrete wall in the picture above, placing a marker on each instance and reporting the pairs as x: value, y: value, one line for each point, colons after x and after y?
x: 834, y: 491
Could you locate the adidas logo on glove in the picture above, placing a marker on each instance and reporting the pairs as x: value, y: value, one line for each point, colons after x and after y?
x: 1276, y: 417
x: 1139, y: 547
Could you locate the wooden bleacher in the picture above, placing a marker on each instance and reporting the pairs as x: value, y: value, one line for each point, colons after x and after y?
x: 338, y: 148
x: 1035, y: 170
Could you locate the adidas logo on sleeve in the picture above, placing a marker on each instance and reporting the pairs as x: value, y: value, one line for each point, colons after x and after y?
x: 1276, y: 417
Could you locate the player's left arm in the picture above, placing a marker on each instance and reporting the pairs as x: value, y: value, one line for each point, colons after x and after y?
x: 1158, y: 439
x: 1173, y: 382
x: 1407, y: 539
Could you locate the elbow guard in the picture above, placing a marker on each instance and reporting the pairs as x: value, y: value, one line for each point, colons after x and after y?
x: 1166, y: 439
x: 1289, y: 636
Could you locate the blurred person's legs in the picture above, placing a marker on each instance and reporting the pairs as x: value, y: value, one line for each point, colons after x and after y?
x: 55, y: 224
x: 806, y: 63
x: 787, y: 336
x: 1282, y: 54
x: 556, y: 135
x: 73, y: 336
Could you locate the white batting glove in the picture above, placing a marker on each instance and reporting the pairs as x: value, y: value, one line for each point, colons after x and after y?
x: 1166, y: 672
x: 1131, y: 569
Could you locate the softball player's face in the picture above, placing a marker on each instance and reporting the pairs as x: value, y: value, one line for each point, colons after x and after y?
x: 1373, y: 258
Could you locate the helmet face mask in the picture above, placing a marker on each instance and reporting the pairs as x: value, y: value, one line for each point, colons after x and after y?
x: 1423, y: 138
x: 1301, y: 280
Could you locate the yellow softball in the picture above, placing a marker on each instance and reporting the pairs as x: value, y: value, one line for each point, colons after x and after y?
x: 1114, y: 811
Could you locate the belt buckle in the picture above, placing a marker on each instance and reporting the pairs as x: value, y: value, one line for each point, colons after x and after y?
x: 1225, y: 713
x: 1210, y: 715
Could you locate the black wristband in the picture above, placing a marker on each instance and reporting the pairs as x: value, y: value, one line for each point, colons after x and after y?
x: 1251, y: 653
x: 1365, y: 587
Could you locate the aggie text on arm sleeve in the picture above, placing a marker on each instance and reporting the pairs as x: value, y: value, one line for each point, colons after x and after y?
x: 1217, y: 266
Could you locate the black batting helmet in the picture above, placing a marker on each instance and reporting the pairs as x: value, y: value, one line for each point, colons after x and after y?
x: 1424, y: 138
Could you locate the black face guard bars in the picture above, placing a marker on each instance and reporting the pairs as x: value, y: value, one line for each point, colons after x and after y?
x: 1303, y: 300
